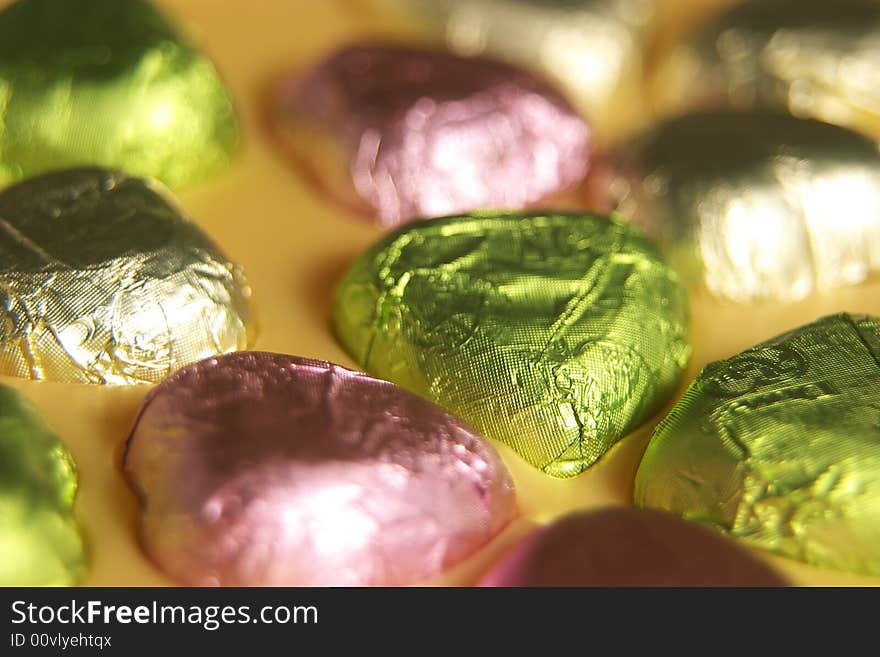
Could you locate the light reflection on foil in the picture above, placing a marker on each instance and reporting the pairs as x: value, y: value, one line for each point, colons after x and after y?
x: 755, y: 205
x: 425, y: 133
x: 40, y: 541
x: 261, y: 469
x: 557, y: 334
x: 813, y: 58
x: 777, y: 446
x: 593, y: 49
x: 103, y: 280
x: 108, y: 83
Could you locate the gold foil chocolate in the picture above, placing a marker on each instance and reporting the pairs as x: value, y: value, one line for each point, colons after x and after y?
x: 110, y: 83
x: 814, y: 58
x: 778, y: 446
x: 103, y: 280
x: 593, y: 49
x: 40, y: 542
x: 556, y: 334
x: 755, y: 205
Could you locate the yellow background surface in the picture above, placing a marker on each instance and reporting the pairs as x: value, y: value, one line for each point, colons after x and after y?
x: 294, y: 246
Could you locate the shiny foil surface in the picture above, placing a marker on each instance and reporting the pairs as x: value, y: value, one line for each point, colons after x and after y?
x: 555, y: 334
x: 103, y: 280
x: 40, y: 543
x: 110, y: 83
x: 593, y: 49
x: 813, y: 58
x: 754, y: 205
x: 265, y: 469
x: 400, y: 133
x: 777, y: 446
x: 624, y: 546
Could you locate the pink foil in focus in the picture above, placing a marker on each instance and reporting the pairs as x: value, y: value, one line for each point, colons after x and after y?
x: 429, y: 133
x: 628, y: 547
x: 262, y: 469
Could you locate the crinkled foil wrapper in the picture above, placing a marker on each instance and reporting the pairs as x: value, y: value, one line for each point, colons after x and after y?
x: 777, y: 446
x: 814, y: 58
x: 109, y: 83
x: 755, y: 205
x: 103, y: 280
x: 399, y: 133
x: 555, y: 334
x: 259, y: 469
x: 593, y: 49
x: 40, y: 542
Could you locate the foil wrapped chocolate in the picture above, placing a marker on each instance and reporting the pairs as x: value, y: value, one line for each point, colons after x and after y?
x: 107, y: 83
x: 812, y: 58
x: 754, y: 205
x: 628, y: 547
x: 40, y: 541
x: 398, y: 133
x: 592, y: 49
x: 556, y: 334
x: 777, y: 446
x: 103, y: 280
x: 263, y: 469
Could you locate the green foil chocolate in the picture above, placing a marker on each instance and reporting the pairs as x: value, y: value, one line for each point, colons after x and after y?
x: 40, y: 544
x: 104, y: 280
x: 109, y: 83
x: 556, y: 334
x: 778, y: 446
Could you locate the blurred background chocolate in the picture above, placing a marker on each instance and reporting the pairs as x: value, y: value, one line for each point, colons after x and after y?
x: 628, y: 547
x: 752, y: 204
x: 812, y: 58
x: 399, y: 133
x: 110, y: 83
x: 556, y: 334
x: 261, y: 469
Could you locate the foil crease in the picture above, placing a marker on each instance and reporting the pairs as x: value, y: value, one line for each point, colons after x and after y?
x: 40, y: 541
x: 103, y: 280
x: 812, y: 58
x: 555, y: 334
x: 592, y: 49
x: 108, y: 83
x: 754, y: 205
x: 628, y: 547
x: 260, y: 469
x: 400, y: 133
x: 777, y: 446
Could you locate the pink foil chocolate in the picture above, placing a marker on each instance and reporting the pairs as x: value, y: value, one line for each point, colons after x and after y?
x: 628, y: 547
x: 259, y: 469
x: 400, y: 133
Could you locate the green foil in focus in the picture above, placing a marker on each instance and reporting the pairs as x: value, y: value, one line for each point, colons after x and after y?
x: 813, y: 58
x: 109, y: 83
x: 753, y: 204
x: 40, y: 544
x: 555, y: 334
x: 104, y: 280
x: 778, y: 446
